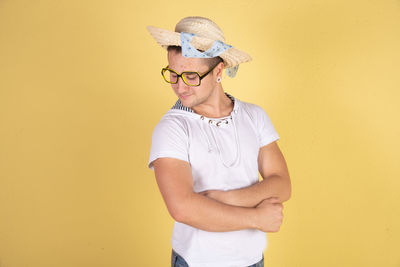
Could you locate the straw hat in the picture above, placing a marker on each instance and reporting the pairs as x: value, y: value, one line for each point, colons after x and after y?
x: 206, y: 33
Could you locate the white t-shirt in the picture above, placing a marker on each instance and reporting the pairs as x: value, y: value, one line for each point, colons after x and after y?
x: 223, y: 155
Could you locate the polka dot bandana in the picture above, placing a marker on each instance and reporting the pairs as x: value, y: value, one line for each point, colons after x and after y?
x: 188, y: 50
x: 216, y: 49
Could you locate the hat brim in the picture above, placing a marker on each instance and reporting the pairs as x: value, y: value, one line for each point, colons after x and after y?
x: 165, y: 38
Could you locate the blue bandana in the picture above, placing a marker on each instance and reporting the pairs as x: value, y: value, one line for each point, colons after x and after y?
x: 188, y: 50
x: 217, y: 48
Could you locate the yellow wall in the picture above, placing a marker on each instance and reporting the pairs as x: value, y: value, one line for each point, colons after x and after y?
x: 81, y: 90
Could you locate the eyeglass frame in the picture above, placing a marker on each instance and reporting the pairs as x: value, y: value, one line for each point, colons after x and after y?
x: 180, y: 75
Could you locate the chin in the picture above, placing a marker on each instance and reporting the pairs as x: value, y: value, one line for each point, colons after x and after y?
x: 187, y: 102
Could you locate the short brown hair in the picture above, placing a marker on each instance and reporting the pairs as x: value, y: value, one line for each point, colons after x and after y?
x: 211, y: 62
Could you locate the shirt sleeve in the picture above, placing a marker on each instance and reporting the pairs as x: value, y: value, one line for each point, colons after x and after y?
x: 266, y: 130
x: 170, y: 140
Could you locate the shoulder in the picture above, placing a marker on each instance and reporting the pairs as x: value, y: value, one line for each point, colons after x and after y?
x: 254, y: 111
x: 172, y: 121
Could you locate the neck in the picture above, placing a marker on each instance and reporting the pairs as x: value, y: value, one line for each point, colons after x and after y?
x: 218, y: 105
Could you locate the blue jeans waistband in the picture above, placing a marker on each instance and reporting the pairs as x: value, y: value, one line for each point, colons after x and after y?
x: 178, y: 261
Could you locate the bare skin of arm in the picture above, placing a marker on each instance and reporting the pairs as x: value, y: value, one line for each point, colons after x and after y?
x: 276, y: 181
x: 175, y: 181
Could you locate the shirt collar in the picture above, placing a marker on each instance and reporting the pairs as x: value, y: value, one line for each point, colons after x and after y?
x: 178, y: 104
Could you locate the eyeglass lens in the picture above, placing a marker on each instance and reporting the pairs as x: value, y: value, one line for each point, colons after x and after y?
x: 190, y: 78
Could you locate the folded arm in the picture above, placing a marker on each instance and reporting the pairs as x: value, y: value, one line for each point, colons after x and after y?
x: 276, y: 181
x: 175, y: 181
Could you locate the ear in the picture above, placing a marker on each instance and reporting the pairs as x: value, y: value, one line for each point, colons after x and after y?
x: 218, y: 69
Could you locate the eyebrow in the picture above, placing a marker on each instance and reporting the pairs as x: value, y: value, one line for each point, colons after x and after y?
x: 199, y: 72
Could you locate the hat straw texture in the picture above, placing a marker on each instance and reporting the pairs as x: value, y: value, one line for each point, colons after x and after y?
x: 202, y: 27
x: 206, y: 33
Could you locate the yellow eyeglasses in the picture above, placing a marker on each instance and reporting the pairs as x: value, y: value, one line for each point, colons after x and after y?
x: 191, y: 78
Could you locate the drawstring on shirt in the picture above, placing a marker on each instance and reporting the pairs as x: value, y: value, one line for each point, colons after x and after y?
x: 216, y: 138
x: 205, y: 134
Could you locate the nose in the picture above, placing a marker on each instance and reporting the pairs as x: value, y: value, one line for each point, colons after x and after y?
x: 180, y: 86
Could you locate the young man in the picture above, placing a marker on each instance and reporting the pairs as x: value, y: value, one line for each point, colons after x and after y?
x: 207, y: 152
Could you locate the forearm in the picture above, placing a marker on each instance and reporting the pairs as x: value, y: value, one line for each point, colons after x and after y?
x: 210, y: 215
x: 272, y: 186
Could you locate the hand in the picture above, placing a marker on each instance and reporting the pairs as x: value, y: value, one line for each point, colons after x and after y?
x: 269, y: 215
